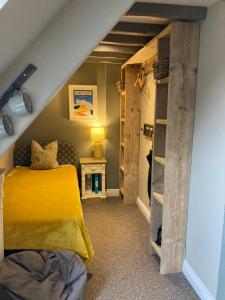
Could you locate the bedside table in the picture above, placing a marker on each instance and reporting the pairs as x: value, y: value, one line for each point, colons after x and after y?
x: 92, y: 177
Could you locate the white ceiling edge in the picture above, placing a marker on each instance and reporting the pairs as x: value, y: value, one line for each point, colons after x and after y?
x: 183, y: 2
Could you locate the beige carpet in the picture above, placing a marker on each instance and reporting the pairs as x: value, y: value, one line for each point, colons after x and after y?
x: 122, y: 267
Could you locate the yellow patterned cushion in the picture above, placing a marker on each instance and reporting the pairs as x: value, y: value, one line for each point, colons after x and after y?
x: 44, y: 158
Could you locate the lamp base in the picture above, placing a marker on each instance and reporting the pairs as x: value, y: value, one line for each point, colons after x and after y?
x: 98, y: 150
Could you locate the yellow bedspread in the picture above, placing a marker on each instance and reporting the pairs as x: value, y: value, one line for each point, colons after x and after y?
x: 42, y: 210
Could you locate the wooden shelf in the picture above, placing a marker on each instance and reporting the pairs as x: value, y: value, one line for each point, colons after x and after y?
x: 156, y: 248
x: 160, y: 160
x: 163, y: 81
x: 159, y: 197
x: 161, y: 121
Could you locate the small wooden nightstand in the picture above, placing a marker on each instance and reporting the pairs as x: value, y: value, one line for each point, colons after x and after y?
x: 92, y: 177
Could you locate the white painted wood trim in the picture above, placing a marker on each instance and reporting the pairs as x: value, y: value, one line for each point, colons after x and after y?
x: 143, y: 209
x: 112, y: 192
x: 196, y: 282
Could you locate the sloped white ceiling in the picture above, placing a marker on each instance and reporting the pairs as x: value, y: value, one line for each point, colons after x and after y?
x: 58, y: 52
x: 20, y: 23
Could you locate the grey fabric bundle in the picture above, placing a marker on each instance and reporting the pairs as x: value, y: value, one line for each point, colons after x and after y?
x: 42, y: 275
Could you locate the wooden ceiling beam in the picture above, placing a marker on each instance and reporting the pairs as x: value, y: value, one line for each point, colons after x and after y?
x: 137, y: 28
x: 111, y: 54
x: 131, y: 40
x: 170, y: 11
x: 105, y: 60
x: 117, y: 48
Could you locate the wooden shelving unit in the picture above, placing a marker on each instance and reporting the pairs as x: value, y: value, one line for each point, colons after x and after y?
x: 172, y: 140
x: 172, y: 143
x: 129, y: 135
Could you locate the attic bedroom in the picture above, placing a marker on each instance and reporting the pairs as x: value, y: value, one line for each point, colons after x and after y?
x: 111, y: 150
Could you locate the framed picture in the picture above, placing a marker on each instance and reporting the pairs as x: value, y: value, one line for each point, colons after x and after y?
x: 82, y: 102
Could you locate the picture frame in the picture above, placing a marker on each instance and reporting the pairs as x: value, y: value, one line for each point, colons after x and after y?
x: 82, y: 102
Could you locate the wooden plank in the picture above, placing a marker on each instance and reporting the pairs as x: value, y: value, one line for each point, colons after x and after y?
x: 105, y: 60
x: 181, y: 107
x: 170, y: 11
x: 119, y: 49
x: 149, y: 30
x: 131, y: 136
x: 145, y: 20
x: 161, y: 121
x: 130, y: 40
x: 124, y: 56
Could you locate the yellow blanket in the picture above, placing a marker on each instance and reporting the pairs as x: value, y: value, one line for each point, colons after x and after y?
x: 42, y: 210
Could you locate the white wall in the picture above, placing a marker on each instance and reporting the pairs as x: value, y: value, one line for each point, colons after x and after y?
x: 59, y: 50
x: 207, y: 190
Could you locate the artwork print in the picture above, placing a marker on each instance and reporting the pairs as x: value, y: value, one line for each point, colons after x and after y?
x: 83, y: 102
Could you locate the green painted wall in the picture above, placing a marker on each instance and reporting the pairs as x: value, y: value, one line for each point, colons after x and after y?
x: 53, y: 122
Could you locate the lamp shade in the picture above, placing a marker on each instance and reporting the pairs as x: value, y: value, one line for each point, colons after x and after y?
x: 97, y: 133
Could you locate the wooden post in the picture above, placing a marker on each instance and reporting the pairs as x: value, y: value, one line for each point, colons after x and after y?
x: 131, y: 136
x: 2, y: 171
x: 184, y: 43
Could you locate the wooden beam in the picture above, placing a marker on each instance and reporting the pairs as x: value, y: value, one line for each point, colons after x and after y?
x: 105, y: 60
x: 137, y: 28
x: 130, y: 40
x: 147, y: 52
x: 119, y: 49
x: 145, y: 20
x: 170, y: 11
x: 124, y: 56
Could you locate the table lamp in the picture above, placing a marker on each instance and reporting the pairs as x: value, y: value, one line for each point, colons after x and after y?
x: 98, y: 136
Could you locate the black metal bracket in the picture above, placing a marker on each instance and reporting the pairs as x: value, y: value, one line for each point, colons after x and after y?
x: 17, y: 84
x: 148, y: 130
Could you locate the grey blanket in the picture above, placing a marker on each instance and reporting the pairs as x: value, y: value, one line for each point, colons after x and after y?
x: 42, y: 275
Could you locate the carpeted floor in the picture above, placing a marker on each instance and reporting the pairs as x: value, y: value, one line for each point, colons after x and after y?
x: 122, y: 267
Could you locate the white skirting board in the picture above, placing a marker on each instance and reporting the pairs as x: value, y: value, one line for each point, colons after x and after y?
x: 196, y: 282
x: 112, y: 192
x: 144, y: 210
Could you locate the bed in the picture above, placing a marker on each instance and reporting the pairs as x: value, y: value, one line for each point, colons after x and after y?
x: 42, y: 209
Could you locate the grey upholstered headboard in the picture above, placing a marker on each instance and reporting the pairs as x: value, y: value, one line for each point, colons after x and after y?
x: 66, y: 154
